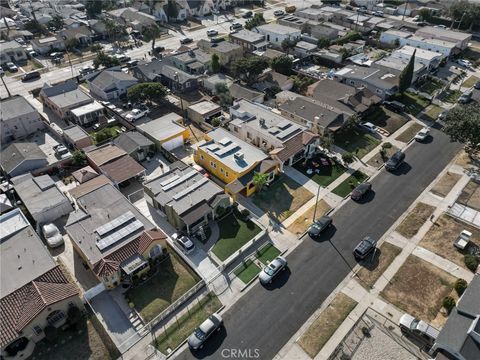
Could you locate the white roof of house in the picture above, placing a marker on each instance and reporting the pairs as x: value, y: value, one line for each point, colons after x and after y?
x: 163, y: 127
x: 87, y: 109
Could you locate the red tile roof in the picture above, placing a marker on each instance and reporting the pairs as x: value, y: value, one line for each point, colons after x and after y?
x: 20, y: 307
x: 111, y: 263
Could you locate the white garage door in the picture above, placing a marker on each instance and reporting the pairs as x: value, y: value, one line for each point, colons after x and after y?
x: 173, y: 144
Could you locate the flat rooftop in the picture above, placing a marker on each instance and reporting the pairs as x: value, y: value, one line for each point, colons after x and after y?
x: 225, y: 147
x: 23, y: 255
x: 75, y: 132
x: 87, y: 109
x: 163, y: 127
x: 248, y: 36
x: 15, y: 107
x: 70, y: 99
x: 205, y: 107
x: 278, y: 29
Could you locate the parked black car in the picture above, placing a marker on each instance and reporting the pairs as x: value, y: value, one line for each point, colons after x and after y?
x: 360, y: 191
x: 364, y: 248
x: 318, y: 226
x: 32, y: 75
x: 395, y: 161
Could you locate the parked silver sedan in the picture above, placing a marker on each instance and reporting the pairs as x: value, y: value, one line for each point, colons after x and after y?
x: 273, y: 269
x: 204, y: 331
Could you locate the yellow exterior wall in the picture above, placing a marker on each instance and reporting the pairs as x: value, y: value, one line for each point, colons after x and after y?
x: 185, y: 133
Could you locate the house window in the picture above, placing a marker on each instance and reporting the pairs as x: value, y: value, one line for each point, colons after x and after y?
x: 226, y: 173
x: 202, y: 157
x: 37, y: 330
x: 221, y: 170
x: 235, y: 128
x: 249, y: 136
x: 211, y: 163
x: 214, y: 165
x: 352, y: 82
x: 55, y: 317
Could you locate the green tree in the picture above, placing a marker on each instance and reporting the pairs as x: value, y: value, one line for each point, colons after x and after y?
x: 215, y: 64
x: 282, y: 64
x: 51, y: 333
x: 462, y: 124
x: 460, y: 286
x: 466, y: 12
x: 105, y: 60
x: 257, y: 20
x: 301, y: 83
x: 151, y: 33
x: 56, y: 22
x: 250, y: 68
x: 323, y: 43
x: 114, y: 29
x: 448, y: 303
x: 406, y: 76
x: 79, y: 158
x: 172, y: 12
x: 289, y: 44
x: 347, y: 158
x: 35, y: 27
x: 71, y: 44
x: 425, y: 14
x: 260, y: 180
x: 93, y: 8
x: 223, y: 94
x: 151, y: 91
x: 326, y: 141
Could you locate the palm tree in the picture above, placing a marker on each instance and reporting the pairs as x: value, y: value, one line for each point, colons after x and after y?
x: 259, y: 180
x: 151, y: 32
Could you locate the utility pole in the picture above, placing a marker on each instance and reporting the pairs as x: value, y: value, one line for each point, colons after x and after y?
x: 177, y: 86
x: 6, y: 87
x: 316, y: 203
x: 405, y: 10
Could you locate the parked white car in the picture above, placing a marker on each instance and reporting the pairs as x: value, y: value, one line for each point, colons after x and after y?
x: 410, y: 325
x: 52, y: 235
x: 464, y: 62
x: 136, y: 114
x: 370, y: 127
x: 422, y: 135
x: 212, y: 32
x: 185, y: 244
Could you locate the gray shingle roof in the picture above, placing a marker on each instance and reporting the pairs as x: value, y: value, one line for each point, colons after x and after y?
x: 15, y: 106
x: 131, y: 141
x: 17, y: 153
x: 107, y: 78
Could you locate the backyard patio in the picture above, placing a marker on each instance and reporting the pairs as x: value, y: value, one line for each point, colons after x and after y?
x: 320, y: 169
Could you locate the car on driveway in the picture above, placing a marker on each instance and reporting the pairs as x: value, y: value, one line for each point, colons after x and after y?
x: 359, y: 192
x: 204, y: 331
x: 136, y: 114
x: 278, y: 13
x: 318, y: 226
x: 369, y: 127
x: 395, y: 161
x: 423, y: 134
x: 465, y: 97
x: 11, y: 67
x: 236, y: 26
x: 464, y: 63
x: 212, y: 32
x: 271, y: 270
x: 184, y: 243
x: 364, y: 248
x: 411, y: 325
x: 52, y: 235
x: 186, y: 40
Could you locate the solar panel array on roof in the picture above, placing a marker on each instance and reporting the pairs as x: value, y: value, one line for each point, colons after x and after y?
x: 213, y: 147
x: 289, y: 131
x: 225, y: 141
x: 274, y: 131
x: 284, y: 124
x: 119, y: 235
x: 115, y: 223
x: 180, y: 180
x: 226, y: 150
x: 169, y: 180
x: 191, y: 188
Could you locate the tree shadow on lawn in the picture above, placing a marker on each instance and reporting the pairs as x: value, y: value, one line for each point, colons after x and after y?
x: 277, y: 200
x: 372, y: 261
x: 163, y: 288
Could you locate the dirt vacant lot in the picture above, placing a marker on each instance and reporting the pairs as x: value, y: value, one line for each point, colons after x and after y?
x: 301, y: 224
x: 470, y: 195
x: 445, y: 184
x: 415, y: 219
x: 325, y: 325
x: 439, y: 239
x: 371, y: 271
x: 418, y: 288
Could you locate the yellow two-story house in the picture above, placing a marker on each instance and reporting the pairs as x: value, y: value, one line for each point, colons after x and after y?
x: 233, y: 161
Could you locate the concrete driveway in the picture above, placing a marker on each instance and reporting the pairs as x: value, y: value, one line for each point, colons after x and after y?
x: 114, y: 321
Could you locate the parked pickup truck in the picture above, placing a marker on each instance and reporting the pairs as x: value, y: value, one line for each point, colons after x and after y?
x: 462, y: 240
x: 136, y: 114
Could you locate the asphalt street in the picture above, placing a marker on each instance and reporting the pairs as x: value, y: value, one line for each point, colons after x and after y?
x: 264, y: 319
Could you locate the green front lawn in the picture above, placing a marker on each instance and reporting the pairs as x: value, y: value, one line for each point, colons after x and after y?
x: 173, y: 279
x: 247, y: 271
x: 326, y: 174
x: 414, y: 104
x: 385, y: 118
x: 234, y: 233
x: 452, y: 96
x: 350, y: 183
x: 432, y: 112
x: 282, y: 198
x: 409, y: 133
x: 110, y: 132
x: 267, y: 253
x: 356, y: 141
x: 187, y: 323
x: 430, y: 86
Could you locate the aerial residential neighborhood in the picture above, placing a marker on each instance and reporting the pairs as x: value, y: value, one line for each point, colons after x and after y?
x: 240, y: 179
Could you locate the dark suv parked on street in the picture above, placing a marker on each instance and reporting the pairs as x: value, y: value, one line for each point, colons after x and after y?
x: 395, y: 161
